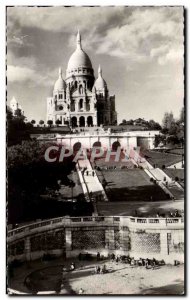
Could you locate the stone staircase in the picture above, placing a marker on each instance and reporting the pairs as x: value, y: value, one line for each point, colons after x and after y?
x: 89, y: 180
x: 173, y: 188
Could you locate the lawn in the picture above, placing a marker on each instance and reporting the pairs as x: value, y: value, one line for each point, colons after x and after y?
x: 178, y: 151
x: 101, y: 162
x: 140, y: 209
x: 130, y: 185
x: 176, y: 173
x: 161, y: 158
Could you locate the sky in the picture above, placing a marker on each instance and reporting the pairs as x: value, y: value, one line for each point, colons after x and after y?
x: 140, y: 50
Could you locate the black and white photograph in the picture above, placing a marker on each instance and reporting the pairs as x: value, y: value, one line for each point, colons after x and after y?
x: 95, y: 121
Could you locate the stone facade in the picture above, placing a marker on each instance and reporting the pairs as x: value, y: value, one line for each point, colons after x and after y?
x: 80, y: 100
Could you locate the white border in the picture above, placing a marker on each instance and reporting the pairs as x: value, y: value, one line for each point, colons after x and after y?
x: 5, y: 3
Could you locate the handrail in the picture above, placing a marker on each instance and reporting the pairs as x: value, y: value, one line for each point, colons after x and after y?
x: 105, y: 219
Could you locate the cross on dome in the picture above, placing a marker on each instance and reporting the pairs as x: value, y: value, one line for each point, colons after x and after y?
x: 79, y: 40
x: 99, y: 71
x: 60, y: 72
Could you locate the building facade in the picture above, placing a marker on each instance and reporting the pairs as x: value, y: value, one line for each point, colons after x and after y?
x: 80, y: 100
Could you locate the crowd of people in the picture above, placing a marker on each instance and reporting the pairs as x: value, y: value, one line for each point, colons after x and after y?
x: 146, y: 262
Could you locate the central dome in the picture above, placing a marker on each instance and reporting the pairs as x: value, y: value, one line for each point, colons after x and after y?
x: 79, y: 58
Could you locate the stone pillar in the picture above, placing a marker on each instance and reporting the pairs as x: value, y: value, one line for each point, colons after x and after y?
x: 86, y: 123
x: 27, y: 249
x: 68, y: 238
x: 76, y: 105
x: 95, y: 120
x: 163, y: 243
x: 124, y: 239
x: 109, y: 239
x: 84, y: 105
x: 151, y: 142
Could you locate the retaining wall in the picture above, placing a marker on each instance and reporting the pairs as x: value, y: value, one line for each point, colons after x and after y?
x: 162, y: 238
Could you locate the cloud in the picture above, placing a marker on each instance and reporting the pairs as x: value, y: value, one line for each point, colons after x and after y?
x: 147, y: 34
x: 20, y: 40
x: 17, y: 74
x: 136, y: 34
x: 62, y: 19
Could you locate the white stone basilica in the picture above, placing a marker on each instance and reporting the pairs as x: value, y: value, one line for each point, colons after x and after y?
x: 81, y: 100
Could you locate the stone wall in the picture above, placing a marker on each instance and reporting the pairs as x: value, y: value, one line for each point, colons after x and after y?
x: 138, y: 237
x: 126, y: 139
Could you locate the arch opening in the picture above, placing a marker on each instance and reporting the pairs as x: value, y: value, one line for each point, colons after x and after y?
x: 74, y: 121
x: 90, y: 121
x: 115, y: 145
x: 82, y: 121
x: 77, y: 146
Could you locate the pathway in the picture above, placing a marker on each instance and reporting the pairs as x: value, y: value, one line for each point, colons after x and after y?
x: 89, y: 180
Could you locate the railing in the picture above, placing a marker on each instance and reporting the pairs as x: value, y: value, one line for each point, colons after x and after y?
x: 114, y: 221
x: 161, y: 221
x: 142, y: 133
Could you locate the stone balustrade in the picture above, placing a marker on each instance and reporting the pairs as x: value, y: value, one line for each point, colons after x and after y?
x: 162, y: 238
x: 107, y: 221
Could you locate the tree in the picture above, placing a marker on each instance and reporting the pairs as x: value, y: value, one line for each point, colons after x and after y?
x: 168, y: 120
x: 159, y: 140
x: 130, y: 122
x: 154, y: 125
x: 50, y: 123
x: 182, y: 118
x: 174, y: 129
x: 18, y: 113
x: 124, y: 122
x: 41, y: 122
x: 16, y: 128
x: 57, y: 122
x: 33, y: 122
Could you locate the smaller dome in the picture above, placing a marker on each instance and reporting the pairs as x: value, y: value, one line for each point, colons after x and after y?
x: 60, y: 83
x: 100, y: 83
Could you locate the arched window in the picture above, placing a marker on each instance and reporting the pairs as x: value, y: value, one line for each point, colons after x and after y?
x: 55, y: 97
x: 81, y: 89
x: 76, y: 84
x: 72, y: 105
x: 60, y: 96
x: 80, y: 103
x: 87, y: 104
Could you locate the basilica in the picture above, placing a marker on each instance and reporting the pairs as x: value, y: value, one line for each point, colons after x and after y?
x: 80, y: 100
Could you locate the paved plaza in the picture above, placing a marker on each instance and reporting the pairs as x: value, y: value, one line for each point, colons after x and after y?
x: 47, y: 277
